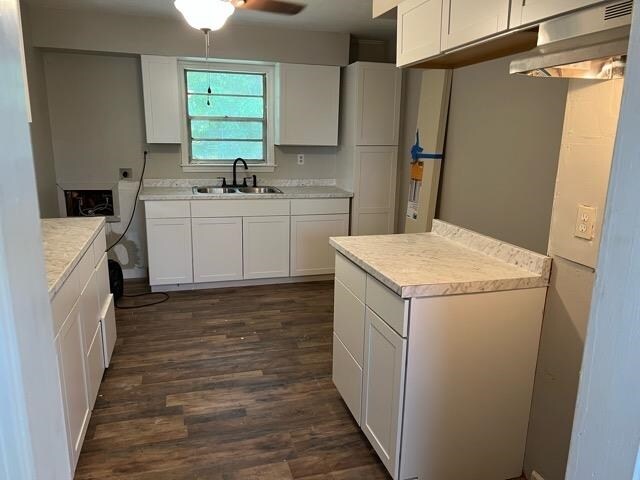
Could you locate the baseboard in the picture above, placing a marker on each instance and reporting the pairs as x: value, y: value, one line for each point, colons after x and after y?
x: 239, y: 283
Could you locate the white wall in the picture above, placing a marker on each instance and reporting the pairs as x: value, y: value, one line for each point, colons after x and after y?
x: 501, y: 153
x: 583, y: 176
x: 83, y: 30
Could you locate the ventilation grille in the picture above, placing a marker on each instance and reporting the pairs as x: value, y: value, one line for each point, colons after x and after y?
x: 618, y: 10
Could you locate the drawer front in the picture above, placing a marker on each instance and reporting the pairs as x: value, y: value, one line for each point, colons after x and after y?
x: 348, y: 320
x: 347, y: 377
x: 102, y: 280
x: 95, y: 366
x: 239, y: 208
x: 167, y: 209
x: 64, y: 301
x: 389, y: 306
x: 352, y: 276
x: 108, y: 326
x: 319, y: 206
x: 99, y: 247
x: 85, y: 268
x: 89, y: 310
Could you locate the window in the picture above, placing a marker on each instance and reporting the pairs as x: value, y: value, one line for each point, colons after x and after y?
x: 227, y: 116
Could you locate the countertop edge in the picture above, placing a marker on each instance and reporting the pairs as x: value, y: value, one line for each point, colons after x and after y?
x: 59, y: 282
x: 445, y: 289
x: 336, y: 192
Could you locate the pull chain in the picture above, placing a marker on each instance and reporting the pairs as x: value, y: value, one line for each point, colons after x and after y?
x: 207, y: 33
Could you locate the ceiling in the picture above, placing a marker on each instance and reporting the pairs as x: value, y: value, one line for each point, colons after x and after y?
x: 350, y: 16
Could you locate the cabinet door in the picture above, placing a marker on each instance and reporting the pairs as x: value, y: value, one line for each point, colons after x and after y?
x: 94, y: 366
x: 374, y: 199
x: 383, y: 389
x: 311, y: 253
x: 266, y: 247
x: 71, y: 360
x: 419, y: 28
x: 169, y: 247
x: 217, y: 249
x: 532, y: 11
x: 161, y: 99
x: 307, y: 104
x: 378, y: 104
x: 465, y: 21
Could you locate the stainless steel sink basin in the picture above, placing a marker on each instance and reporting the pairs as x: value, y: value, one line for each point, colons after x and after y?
x: 234, y: 190
x: 214, y: 190
x: 259, y: 190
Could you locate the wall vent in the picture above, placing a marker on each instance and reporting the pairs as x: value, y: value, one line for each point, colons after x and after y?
x: 618, y: 10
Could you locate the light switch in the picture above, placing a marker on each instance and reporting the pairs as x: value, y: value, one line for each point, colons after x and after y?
x: 586, y: 222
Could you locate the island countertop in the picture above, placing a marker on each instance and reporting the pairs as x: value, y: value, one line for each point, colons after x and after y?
x: 449, y: 260
x: 65, y: 241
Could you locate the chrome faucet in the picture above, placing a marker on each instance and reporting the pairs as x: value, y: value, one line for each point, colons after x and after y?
x: 235, y: 164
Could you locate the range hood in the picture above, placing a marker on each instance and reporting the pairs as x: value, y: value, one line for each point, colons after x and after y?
x: 590, y: 43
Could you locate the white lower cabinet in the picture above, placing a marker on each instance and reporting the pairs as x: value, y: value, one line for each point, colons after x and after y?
x: 438, y: 394
x: 74, y: 386
x: 83, y: 351
x: 266, y: 247
x: 383, y: 389
x: 217, y: 249
x: 311, y: 253
x: 375, y: 191
x: 169, y: 249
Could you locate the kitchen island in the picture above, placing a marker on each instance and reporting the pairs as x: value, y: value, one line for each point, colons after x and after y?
x: 435, y: 345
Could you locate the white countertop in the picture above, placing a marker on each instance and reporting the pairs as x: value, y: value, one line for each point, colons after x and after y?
x: 447, y: 261
x: 65, y: 241
x: 186, y: 193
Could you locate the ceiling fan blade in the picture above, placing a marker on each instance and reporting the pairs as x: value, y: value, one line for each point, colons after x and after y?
x: 271, y: 6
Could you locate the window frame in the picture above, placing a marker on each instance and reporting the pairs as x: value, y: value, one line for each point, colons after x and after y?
x: 268, y: 70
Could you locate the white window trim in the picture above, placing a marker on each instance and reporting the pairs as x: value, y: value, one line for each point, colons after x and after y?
x: 215, y: 65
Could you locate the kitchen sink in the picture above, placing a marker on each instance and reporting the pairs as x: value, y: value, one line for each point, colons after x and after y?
x: 259, y: 190
x: 214, y: 190
x: 234, y: 190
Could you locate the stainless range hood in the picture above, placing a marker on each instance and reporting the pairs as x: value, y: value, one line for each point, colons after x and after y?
x: 590, y: 43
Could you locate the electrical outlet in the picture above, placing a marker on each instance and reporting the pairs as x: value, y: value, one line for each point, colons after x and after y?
x: 536, y: 476
x: 586, y: 222
x: 300, y: 159
x: 126, y: 174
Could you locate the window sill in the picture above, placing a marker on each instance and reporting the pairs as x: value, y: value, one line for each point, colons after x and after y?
x: 195, y: 168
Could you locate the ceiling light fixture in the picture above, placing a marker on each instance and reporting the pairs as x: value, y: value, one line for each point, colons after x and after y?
x: 205, y: 15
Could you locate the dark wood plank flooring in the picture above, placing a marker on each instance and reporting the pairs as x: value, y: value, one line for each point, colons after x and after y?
x: 226, y: 385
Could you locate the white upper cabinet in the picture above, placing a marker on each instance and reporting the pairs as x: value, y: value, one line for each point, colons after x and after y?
x: 161, y: 99
x: 419, y: 26
x: 307, y: 101
x: 533, y: 11
x: 371, y: 104
x: 465, y: 21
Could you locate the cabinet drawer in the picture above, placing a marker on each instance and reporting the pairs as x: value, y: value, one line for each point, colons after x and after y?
x: 99, y: 247
x: 319, y: 206
x: 85, y: 268
x: 95, y: 366
x: 102, y: 281
x: 348, y: 320
x: 64, y: 301
x: 347, y: 377
x: 167, y: 209
x: 390, y: 307
x: 239, y: 208
x: 352, y: 276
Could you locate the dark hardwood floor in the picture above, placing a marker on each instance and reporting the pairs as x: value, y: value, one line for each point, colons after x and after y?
x: 226, y: 384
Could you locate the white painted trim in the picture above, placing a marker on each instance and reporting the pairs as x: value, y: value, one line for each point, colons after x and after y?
x: 240, y: 283
x: 269, y: 70
x: 33, y: 443
x: 606, y: 430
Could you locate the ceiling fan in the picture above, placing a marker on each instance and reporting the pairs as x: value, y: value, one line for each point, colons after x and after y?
x: 210, y: 15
